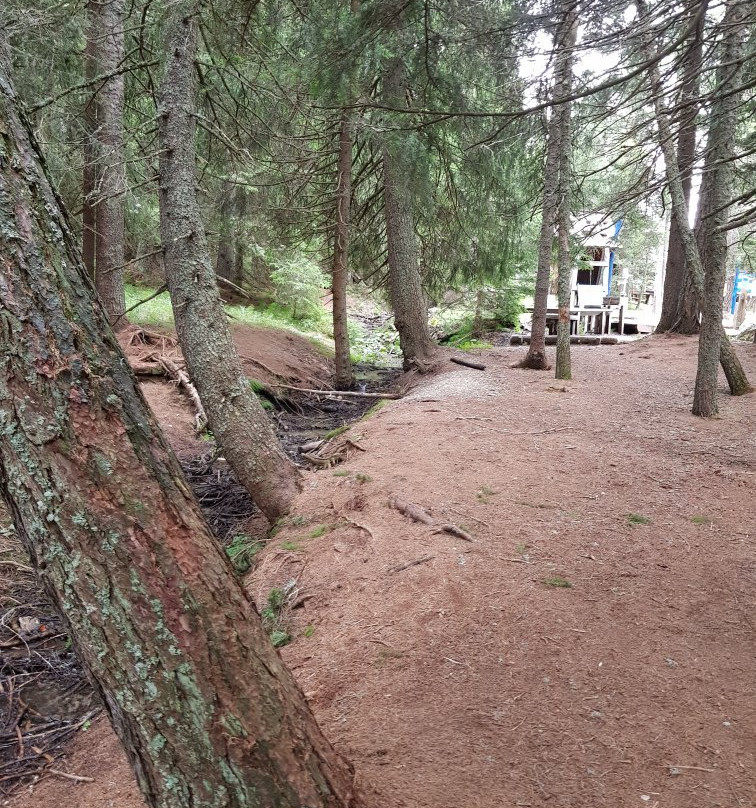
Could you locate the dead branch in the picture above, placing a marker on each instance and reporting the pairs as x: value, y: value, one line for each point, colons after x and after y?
x: 136, y: 305
x: 78, y: 778
x: 346, y: 393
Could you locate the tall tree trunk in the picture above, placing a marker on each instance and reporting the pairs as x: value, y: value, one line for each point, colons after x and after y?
x: 716, y: 198
x: 340, y: 274
x: 225, y: 264
x: 109, y: 17
x: 730, y: 363
x: 89, y: 178
x: 240, y: 244
x: 237, y: 420
x: 563, y: 369
x: 680, y: 311
x: 535, y: 358
x: 404, y: 283
x: 208, y: 714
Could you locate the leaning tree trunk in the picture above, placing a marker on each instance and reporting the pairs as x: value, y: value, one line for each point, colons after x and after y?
x: 236, y: 418
x: 535, y: 358
x: 680, y: 310
x: 340, y: 274
x: 563, y: 368
x: 206, y: 711
x: 404, y: 283
x: 730, y: 363
x: 109, y: 21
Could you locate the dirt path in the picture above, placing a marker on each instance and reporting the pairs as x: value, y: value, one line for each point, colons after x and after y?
x: 471, y: 680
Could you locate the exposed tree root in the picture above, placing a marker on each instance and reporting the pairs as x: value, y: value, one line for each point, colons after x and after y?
x: 534, y: 360
x: 417, y: 514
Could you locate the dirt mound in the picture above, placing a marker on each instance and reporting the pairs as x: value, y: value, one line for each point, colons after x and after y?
x: 592, y: 646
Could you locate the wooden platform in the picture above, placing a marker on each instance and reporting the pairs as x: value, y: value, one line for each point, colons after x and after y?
x: 594, y: 320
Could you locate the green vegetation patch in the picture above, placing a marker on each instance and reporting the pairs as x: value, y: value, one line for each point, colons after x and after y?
x: 376, y: 408
x: 558, y: 582
x: 638, y: 519
x: 340, y: 430
x: 242, y: 551
x: 273, y: 617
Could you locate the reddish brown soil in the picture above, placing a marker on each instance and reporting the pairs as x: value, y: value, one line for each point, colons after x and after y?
x: 268, y: 355
x: 467, y: 681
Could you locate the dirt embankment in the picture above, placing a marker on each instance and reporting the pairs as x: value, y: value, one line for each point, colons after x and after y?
x: 592, y: 646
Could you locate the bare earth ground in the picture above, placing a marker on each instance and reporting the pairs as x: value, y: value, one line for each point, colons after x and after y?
x: 467, y: 681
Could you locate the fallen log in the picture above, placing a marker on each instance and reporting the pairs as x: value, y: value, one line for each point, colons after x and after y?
x: 467, y: 363
x: 575, y: 339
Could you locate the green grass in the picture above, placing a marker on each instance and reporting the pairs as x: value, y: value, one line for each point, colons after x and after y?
x: 273, y: 618
x: 342, y: 473
x: 558, y: 582
x: 379, y: 348
x: 309, y: 631
x: 158, y: 312
x: 701, y: 520
x: 319, y: 531
x: 473, y: 345
x: 638, y: 519
x: 242, y: 551
x: 291, y: 545
x: 285, y: 521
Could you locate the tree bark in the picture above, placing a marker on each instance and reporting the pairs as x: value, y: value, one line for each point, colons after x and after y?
x: 680, y: 310
x: 89, y: 179
x: 207, y: 713
x: 404, y: 282
x: 344, y: 379
x: 109, y: 19
x: 535, y: 358
x: 716, y: 194
x: 563, y: 369
x: 237, y: 420
x: 224, y: 261
x: 733, y: 369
